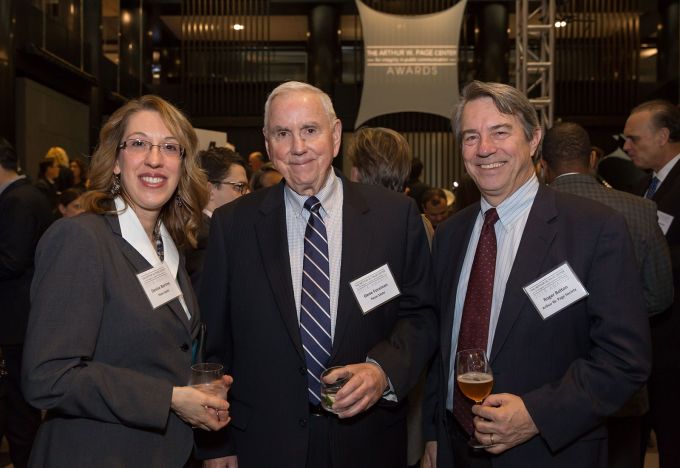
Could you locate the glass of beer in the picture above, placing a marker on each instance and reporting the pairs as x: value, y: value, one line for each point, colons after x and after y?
x: 475, y: 380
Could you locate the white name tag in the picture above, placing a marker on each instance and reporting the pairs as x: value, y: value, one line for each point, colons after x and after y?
x: 665, y: 221
x: 159, y: 285
x: 556, y: 290
x: 375, y: 288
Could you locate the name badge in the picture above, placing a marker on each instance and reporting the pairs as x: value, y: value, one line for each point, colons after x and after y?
x: 159, y: 285
x: 556, y: 290
x: 665, y: 221
x: 375, y: 288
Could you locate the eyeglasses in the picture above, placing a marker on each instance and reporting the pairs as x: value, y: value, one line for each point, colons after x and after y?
x: 241, y: 187
x: 139, y: 147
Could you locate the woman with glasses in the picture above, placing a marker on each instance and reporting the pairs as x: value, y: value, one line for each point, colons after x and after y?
x: 109, y: 356
x: 227, y: 181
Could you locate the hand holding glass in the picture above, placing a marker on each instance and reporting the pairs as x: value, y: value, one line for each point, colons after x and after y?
x: 207, y: 377
x: 329, y: 390
x: 475, y: 380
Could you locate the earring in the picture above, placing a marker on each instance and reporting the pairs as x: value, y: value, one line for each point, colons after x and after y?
x: 178, y: 201
x: 115, y: 186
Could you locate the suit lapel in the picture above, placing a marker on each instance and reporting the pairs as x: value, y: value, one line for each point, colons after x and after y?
x: 356, y: 242
x: 536, y: 240
x: 140, y: 264
x: 272, y: 239
x: 668, y: 183
x: 453, y: 264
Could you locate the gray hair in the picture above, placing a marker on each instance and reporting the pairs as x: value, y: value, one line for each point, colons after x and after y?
x: 508, y: 100
x: 299, y: 87
x: 664, y: 115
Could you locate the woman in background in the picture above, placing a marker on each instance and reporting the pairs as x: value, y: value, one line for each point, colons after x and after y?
x: 70, y: 202
x: 109, y: 367
x: 79, y: 173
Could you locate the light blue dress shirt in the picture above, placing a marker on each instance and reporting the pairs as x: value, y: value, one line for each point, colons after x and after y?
x: 513, y: 213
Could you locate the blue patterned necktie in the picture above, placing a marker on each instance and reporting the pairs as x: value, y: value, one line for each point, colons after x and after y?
x: 315, y: 301
x: 651, y: 189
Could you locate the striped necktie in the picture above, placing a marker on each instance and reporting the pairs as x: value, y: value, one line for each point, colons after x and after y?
x: 651, y: 189
x: 315, y: 301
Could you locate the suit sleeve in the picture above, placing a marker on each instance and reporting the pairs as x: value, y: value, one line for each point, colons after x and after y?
x: 19, y: 232
x: 214, y: 304
x: 618, y: 362
x: 414, y: 337
x: 67, y: 304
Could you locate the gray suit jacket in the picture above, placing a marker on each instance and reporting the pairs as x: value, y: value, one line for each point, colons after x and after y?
x: 98, y: 358
x: 651, y: 249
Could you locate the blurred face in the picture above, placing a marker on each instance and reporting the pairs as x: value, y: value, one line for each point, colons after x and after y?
x: 52, y: 172
x: 75, y: 168
x: 270, y: 178
x: 436, y: 211
x: 227, y: 191
x: 72, y: 209
x: 301, y: 141
x: 495, y: 150
x: 149, y: 177
x: 255, y: 161
x: 643, y: 142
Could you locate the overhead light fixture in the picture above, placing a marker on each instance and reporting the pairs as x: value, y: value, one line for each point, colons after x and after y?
x: 238, y: 27
x: 560, y: 23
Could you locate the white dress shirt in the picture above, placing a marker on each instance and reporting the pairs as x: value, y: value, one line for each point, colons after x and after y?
x: 133, y: 232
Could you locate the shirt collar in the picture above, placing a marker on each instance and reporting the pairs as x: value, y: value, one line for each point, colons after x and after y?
x: 511, y: 209
x: 663, y: 173
x: 132, y: 231
x: 327, y: 195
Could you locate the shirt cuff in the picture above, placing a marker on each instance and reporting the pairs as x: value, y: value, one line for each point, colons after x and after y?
x: 389, y: 394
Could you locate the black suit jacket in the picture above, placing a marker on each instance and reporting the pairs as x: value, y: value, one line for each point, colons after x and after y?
x: 572, y: 369
x: 25, y: 213
x: 666, y: 326
x: 247, y: 302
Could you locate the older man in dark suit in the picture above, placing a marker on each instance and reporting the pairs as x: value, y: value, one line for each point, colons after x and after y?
x: 24, y: 215
x: 568, y: 162
x: 316, y: 272
x: 546, y: 283
x: 652, y: 134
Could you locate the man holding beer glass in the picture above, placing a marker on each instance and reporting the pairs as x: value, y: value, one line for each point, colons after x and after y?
x: 546, y: 285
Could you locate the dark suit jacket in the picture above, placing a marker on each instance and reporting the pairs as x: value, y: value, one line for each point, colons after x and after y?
x: 24, y: 215
x: 98, y: 358
x: 248, y: 305
x: 572, y: 369
x: 666, y: 326
x: 194, y: 257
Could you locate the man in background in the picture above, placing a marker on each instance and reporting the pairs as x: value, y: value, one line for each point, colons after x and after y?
x: 652, y: 135
x: 568, y: 165
x: 24, y: 215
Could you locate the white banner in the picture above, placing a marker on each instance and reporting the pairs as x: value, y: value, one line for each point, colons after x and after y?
x: 410, y: 62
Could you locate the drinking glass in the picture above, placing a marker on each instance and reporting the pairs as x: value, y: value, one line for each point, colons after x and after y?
x: 329, y: 390
x: 207, y: 377
x: 475, y: 380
